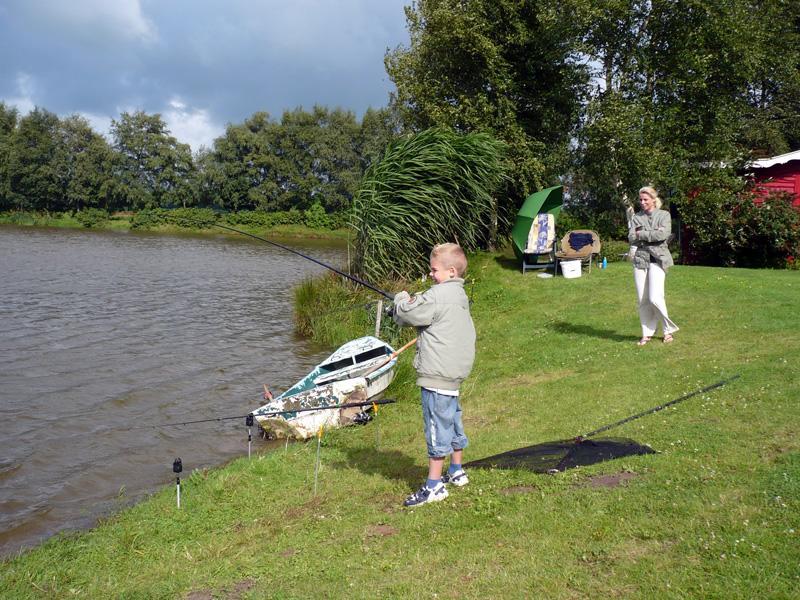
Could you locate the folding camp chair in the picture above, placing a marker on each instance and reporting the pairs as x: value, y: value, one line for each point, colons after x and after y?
x: 579, y: 244
x: 541, y: 244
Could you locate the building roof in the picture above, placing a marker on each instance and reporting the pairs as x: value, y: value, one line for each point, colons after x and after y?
x: 764, y: 163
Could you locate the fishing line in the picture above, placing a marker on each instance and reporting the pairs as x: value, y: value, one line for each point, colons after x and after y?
x: 264, y: 414
x: 322, y: 264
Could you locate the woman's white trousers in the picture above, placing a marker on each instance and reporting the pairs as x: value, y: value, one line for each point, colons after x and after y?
x: 652, y: 305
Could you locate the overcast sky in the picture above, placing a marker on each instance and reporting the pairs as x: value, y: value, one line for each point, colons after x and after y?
x: 199, y: 63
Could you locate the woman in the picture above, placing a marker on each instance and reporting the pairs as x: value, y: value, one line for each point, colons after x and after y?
x: 648, y: 231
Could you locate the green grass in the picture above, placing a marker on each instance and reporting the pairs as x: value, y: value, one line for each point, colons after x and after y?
x: 715, y: 514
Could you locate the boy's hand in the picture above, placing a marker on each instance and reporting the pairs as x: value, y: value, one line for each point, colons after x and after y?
x: 401, y: 297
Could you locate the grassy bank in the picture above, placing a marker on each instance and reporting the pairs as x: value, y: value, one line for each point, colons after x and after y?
x: 716, y: 513
x: 122, y: 222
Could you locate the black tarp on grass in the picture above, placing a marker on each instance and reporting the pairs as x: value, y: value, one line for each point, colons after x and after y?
x: 551, y: 457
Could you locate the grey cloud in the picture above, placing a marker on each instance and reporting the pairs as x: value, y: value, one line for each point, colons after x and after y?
x: 225, y: 61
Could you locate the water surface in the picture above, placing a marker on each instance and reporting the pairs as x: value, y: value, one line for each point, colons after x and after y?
x: 103, y: 331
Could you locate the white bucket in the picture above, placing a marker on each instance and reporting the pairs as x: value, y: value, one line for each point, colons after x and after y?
x: 570, y: 269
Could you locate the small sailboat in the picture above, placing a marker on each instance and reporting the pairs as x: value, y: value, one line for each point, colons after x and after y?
x: 358, y: 371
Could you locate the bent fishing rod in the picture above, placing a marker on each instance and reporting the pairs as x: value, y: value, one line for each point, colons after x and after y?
x: 271, y: 413
x: 708, y: 388
x: 312, y: 259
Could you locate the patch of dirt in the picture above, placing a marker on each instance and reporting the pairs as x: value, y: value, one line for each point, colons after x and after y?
x: 305, y: 509
x: 783, y: 441
x: 633, y: 550
x: 381, y: 530
x: 289, y: 552
x: 200, y: 595
x: 389, y: 503
x: 240, y: 588
x: 608, y: 481
x: 518, y: 489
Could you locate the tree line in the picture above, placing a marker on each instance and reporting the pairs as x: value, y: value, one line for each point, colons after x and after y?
x: 602, y: 97
x: 306, y: 159
x: 608, y: 96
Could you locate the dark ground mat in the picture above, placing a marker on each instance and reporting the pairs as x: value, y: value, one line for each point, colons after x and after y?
x: 550, y: 457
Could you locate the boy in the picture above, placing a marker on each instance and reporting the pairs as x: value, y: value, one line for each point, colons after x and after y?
x: 445, y: 353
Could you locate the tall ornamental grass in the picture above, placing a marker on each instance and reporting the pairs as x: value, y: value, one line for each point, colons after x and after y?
x: 431, y: 187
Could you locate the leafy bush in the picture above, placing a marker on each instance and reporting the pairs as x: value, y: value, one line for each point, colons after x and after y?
x: 316, y: 217
x: 189, y: 218
x: 150, y: 218
x: 738, y: 229
x: 767, y: 232
x: 259, y: 219
x: 615, y: 250
x: 91, y: 217
x: 18, y: 217
x: 608, y: 225
x: 193, y: 218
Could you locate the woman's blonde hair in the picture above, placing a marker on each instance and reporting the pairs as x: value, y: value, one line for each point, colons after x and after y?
x: 650, y: 191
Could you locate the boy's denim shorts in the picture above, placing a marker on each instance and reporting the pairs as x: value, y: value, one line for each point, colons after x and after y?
x: 444, y: 431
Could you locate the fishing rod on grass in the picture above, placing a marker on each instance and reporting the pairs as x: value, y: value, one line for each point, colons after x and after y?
x: 273, y: 413
x: 312, y: 259
x: 708, y: 388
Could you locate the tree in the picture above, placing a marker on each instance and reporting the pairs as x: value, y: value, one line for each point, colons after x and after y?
x: 236, y: 174
x: 8, y: 125
x: 507, y: 67
x: 89, y: 166
x: 155, y: 169
x: 307, y: 158
x: 673, y: 97
x: 379, y: 127
x: 34, y: 179
x: 319, y: 158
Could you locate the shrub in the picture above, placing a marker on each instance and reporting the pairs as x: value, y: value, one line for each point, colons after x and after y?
x: 192, y: 218
x: 18, y: 217
x: 614, y: 250
x: 608, y: 225
x: 738, y: 229
x: 91, y: 217
x: 259, y: 219
x: 767, y: 232
x: 150, y: 218
x: 189, y: 218
x: 316, y: 217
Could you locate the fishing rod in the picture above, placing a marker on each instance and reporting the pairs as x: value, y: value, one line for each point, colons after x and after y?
x: 272, y: 413
x: 657, y: 408
x: 312, y: 259
x: 391, y: 357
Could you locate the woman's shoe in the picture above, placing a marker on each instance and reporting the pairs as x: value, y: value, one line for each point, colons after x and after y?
x: 668, y: 338
x: 643, y: 341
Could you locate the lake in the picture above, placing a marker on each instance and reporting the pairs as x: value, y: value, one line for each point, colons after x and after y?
x: 104, y: 334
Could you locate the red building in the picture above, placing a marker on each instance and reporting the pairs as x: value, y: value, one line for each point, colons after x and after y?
x: 777, y: 174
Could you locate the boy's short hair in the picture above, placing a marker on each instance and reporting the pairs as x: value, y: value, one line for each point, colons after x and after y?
x: 450, y: 255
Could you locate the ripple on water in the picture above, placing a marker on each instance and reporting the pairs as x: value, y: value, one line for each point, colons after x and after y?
x: 103, y: 332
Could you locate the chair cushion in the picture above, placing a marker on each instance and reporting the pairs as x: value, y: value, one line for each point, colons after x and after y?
x: 579, y: 240
x: 542, y: 234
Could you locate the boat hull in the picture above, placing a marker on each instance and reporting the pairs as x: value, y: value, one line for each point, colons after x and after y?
x: 304, y: 425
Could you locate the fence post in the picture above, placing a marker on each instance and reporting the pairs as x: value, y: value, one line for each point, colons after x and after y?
x: 378, y: 314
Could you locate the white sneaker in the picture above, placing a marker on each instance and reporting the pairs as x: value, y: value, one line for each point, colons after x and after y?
x: 424, y: 495
x: 459, y: 478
